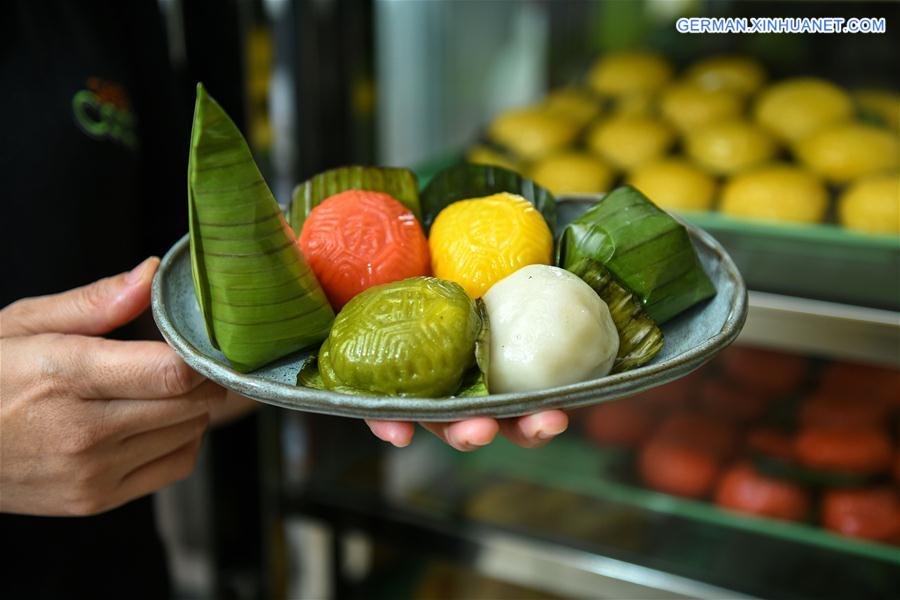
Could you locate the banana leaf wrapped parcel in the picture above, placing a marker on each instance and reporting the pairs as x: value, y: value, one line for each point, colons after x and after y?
x: 259, y: 299
x: 644, y: 248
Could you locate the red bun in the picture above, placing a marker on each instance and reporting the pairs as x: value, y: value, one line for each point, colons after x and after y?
x: 744, y: 489
x: 358, y: 239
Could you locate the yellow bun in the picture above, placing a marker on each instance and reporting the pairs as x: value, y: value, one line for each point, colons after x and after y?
x: 478, y: 242
x: 634, y: 105
x: 483, y: 155
x: 796, y: 108
x: 730, y: 147
x: 675, y: 184
x: 629, y: 141
x: 629, y: 72
x: 738, y: 74
x: 573, y: 173
x: 688, y: 105
x: 777, y: 193
x: 532, y: 132
x: 576, y: 104
x: 845, y: 152
x: 872, y: 204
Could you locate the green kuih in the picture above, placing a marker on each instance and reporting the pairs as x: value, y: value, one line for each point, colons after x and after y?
x: 643, y: 247
x: 400, y: 184
x: 415, y: 337
x: 465, y: 181
x: 259, y: 299
x: 640, y: 339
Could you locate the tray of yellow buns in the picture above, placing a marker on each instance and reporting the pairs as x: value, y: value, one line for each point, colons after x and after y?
x: 799, y: 178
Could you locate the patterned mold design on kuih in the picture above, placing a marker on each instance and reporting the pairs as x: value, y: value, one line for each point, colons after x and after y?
x: 480, y: 241
x: 357, y: 239
x: 414, y: 337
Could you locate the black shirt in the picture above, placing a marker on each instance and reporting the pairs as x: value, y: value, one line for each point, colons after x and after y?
x: 93, y: 155
x: 94, y: 148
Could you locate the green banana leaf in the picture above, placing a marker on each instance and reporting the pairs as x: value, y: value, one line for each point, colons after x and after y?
x: 259, y: 299
x: 639, y: 337
x: 645, y: 249
x: 401, y: 184
x: 309, y: 375
x: 474, y: 384
x: 475, y: 381
x: 483, y: 345
x: 465, y: 181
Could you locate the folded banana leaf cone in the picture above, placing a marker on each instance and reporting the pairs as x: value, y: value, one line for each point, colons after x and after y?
x: 259, y: 299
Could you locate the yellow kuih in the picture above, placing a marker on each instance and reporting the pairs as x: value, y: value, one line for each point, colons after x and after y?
x: 872, y: 205
x: 629, y: 72
x: 485, y: 155
x: 573, y: 103
x: 532, y: 132
x: 730, y: 147
x: 689, y: 105
x: 849, y: 151
x: 777, y: 193
x: 739, y: 74
x: 573, y: 173
x: 478, y: 242
x: 795, y: 108
x: 629, y: 141
x: 675, y: 184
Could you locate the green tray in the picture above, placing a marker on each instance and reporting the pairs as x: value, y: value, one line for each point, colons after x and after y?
x: 593, y: 472
x: 824, y: 262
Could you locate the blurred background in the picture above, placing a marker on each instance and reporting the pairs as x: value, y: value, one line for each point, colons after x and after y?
x: 772, y: 472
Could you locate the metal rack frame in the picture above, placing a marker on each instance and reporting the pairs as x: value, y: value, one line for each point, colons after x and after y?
x: 827, y: 329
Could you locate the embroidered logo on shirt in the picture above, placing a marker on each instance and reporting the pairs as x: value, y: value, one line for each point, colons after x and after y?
x: 103, y: 111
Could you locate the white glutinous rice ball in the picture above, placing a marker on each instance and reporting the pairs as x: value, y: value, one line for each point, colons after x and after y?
x: 548, y: 328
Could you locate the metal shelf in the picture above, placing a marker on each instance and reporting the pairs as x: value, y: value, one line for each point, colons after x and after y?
x: 519, y: 559
x: 827, y: 329
x: 533, y: 563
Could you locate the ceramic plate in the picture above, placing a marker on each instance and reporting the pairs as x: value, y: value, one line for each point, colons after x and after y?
x: 691, y: 339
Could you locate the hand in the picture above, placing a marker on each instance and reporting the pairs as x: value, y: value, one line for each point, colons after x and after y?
x: 531, y: 431
x: 91, y: 423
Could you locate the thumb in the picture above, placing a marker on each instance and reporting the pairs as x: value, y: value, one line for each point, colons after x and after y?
x: 93, y: 309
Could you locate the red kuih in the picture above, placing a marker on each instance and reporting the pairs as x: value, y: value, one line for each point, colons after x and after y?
x: 624, y: 423
x: 358, y: 239
x: 744, y: 489
x: 861, y: 450
x: 873, y: 514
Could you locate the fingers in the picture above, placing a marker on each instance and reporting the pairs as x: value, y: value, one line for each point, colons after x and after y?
x: 142, y: 448
x: 93, y: 309
x: 535, y: 430
x: 466, y: 435
x: 126, y: 418
x: 157, y: 474
x: 101, y: 368
x: 398, y: 433
x: 531, y: 431
x: 232, y: 406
